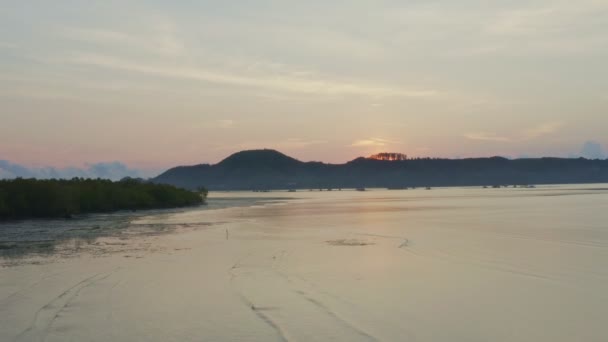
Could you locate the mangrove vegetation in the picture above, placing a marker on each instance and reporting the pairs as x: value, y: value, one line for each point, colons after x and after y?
x: 34, y: 198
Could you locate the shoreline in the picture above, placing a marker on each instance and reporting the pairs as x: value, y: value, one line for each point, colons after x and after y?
x: 41, y: 238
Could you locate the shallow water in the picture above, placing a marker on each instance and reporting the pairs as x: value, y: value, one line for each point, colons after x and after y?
x: 21, y: 240
x: 457, y: 264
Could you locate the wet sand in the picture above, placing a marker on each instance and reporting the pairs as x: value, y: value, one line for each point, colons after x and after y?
x: 440, y: 265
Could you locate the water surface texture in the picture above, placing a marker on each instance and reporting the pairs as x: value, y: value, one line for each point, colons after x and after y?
x: 464, y: 264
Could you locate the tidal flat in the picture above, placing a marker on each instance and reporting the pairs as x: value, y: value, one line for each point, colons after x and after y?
x: 451, y: 264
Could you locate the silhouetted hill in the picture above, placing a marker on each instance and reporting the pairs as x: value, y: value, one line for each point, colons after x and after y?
x: 259, y: 159
x: 269, y: 169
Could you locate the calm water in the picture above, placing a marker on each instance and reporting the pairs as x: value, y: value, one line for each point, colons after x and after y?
x: 26, y: 238
x: 457, y: 264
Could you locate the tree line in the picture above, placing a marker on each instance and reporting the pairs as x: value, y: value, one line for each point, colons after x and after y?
x: 54, y: 198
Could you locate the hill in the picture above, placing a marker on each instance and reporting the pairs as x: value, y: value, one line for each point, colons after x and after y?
x: 269, y: 169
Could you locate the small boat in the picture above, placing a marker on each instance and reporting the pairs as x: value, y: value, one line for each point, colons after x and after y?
x: 291, y: 190
x: 360, y: 189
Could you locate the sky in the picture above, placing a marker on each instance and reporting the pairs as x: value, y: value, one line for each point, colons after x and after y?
x: 155, y: 84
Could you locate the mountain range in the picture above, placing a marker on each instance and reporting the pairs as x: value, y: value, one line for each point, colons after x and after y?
x: 269, y: 170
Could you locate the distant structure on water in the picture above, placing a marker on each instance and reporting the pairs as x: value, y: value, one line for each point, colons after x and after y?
x: 388, y: 156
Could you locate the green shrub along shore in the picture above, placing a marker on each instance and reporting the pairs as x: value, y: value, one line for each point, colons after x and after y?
x: 34, y: 198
